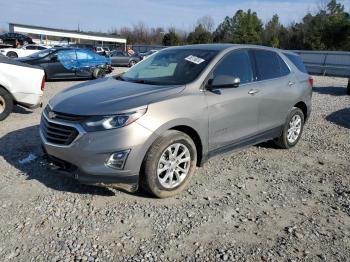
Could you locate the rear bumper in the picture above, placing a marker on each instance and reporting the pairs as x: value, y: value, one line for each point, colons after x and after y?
x: 28, y: 100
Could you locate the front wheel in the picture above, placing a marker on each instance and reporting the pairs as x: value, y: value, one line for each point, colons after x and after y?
x: 169, y: 164
x: 12, y: 54
x: 6, y: 104
x: 292, y: 130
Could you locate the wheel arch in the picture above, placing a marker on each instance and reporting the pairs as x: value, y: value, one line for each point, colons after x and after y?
x: 303, y: 107
x: 193, y: 134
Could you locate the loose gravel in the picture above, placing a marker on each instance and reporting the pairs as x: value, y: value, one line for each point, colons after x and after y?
x: 260, y: 204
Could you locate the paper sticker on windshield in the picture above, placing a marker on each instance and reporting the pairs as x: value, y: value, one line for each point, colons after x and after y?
x: 194, y: 59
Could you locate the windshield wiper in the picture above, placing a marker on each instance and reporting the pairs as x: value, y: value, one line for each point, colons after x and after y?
x: 141, y: 81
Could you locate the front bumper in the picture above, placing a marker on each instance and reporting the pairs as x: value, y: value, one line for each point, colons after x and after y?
x: 85, y: 158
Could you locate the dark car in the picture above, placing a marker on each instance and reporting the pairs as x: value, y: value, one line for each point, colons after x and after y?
x: 120, y: 58
x: 11, y: 38
x: 70, y: 63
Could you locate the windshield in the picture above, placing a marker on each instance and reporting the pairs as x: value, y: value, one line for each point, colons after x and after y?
x: 42, y: 53
x: 170, y: 67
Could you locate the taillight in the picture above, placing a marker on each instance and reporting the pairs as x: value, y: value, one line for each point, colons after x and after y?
x: 43, y: 83
x: 311, y: 81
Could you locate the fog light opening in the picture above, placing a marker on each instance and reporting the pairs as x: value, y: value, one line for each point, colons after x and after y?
x: 117, y: 160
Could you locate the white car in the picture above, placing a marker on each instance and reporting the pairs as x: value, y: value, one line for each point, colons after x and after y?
x: 20, y: 84
x: 23, y: 51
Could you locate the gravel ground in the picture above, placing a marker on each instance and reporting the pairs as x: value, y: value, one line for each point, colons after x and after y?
x: 260, y: 204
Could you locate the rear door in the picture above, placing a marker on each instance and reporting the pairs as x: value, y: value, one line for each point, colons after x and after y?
x: 86, y: 62
x: 276, y: 93
x: 62, y: 64
x: 233, y: 112
x: 120, y: 58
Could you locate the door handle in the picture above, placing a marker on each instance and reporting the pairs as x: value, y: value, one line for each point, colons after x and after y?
x: 253, y: 91
x: 290, y: 83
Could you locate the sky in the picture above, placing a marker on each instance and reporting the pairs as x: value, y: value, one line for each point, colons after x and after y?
x: 104, y: 15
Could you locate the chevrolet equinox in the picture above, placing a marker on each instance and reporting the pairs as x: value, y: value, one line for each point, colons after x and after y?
x: 154, y: 124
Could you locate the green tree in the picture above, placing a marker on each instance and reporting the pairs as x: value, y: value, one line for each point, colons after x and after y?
x: 242, y: 28
x: 170, y: 38
x: 272, y: 31
x: 199, y: 36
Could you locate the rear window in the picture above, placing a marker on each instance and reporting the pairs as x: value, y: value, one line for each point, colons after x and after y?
x: 269, y: 65
x: 296, y: 60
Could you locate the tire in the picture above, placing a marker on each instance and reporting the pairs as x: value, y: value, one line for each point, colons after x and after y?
x: 287, y: 141
x: 150, y: 173
x: 348, y: 88
x: 98, y: 73
x: 6, y: 104
x: 132, y: 63
x: 12, y: 54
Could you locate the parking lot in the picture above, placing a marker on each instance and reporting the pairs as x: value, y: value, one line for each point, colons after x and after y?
x: 261, y: 203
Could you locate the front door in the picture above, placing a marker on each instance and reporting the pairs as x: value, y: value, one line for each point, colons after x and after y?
x: 62, y: 64
x: 233, y: 112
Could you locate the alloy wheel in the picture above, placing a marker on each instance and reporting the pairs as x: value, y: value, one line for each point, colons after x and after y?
x: 173, y: 165
x: 294, y: 129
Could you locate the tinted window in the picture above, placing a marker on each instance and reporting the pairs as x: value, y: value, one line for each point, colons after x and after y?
x: 269, y: 65
x: 31, y: 47
x: 236, y: 64
x: 43, y: 53
x: 40, y: 48
x: 297, y: 61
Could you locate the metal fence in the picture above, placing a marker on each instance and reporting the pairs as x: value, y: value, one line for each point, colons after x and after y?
x: 326, y: 63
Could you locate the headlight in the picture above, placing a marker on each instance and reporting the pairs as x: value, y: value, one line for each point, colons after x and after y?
x: 100, y: 123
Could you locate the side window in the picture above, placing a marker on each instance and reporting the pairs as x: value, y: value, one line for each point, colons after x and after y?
x: 297, y: 61
x: 84, y: 55
x: 40, y: 48
x: 236, y: 64
x: 66, y: 55
x: 269, y: 65
x: 31, y: 47
x: 284, y: 69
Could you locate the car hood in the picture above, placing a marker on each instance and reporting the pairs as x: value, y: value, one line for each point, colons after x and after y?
x: 108, y: 96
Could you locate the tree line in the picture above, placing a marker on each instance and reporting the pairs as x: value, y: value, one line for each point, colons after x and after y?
x: 328, y: 29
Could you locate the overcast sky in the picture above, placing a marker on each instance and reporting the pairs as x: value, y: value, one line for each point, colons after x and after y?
x: 103, y: 15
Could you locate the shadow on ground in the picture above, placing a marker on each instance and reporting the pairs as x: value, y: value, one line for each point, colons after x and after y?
x: 19, y: 144
x: 340, y: 117
x: 21, y: 110
x: 330, y: 90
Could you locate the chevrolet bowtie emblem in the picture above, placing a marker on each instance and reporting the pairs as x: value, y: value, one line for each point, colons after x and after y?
x: 51, y: 115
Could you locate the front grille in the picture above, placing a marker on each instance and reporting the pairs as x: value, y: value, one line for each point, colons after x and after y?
x: 58, y: 134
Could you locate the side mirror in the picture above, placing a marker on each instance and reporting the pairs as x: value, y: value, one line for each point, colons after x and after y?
x: 54, y: 58
x: 224, y: 81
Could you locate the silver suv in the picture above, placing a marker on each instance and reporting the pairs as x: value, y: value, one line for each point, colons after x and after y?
x: 154, y: 124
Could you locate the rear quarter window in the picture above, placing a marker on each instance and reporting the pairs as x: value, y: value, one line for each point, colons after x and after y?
x: 297, y: 61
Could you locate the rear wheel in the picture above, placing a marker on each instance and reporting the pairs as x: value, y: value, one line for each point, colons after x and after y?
x: 169, y: 164
x: 6, y: 104
x: 98, y: 73
x: 292, y: 130
x: 12, y: 54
